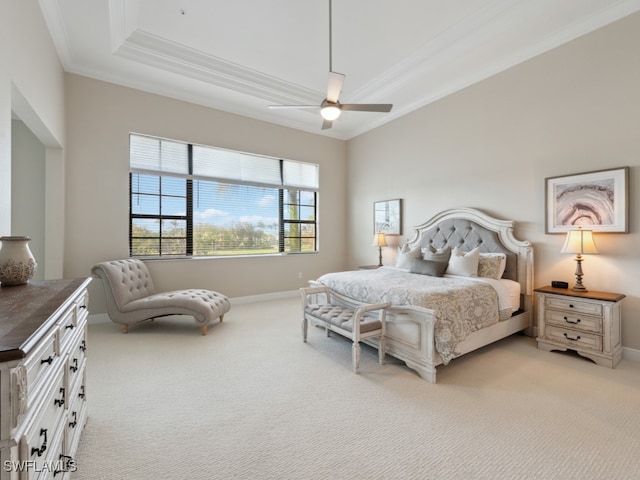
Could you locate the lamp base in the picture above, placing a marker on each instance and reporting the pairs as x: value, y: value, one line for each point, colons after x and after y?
x: 578, y: 287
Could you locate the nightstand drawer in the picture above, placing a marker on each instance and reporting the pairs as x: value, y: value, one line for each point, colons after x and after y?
x: 584, y: 323
x: 574, y: 305
x: 574, y: 339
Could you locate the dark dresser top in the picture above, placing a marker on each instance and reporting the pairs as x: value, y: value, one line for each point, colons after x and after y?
x: 28, y: 311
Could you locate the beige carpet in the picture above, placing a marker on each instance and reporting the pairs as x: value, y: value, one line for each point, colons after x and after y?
x: 251, y: 401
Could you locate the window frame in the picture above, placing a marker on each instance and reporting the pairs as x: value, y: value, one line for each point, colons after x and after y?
x: 284, y: 223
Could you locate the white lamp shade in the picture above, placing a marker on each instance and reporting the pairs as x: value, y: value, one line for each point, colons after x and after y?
x: 379, y: 240
x: 579, y: 241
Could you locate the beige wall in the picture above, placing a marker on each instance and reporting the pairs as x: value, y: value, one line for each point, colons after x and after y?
x: 28, y: 199
x: 491, y: 146
x: 32, y: 87
x: 99, y: 118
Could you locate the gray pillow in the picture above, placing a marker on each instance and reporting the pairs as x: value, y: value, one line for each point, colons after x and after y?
x: 428, y: 267
x: 440, y: 255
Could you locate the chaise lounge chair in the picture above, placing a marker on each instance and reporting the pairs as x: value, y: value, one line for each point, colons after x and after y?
x: 131, y: 297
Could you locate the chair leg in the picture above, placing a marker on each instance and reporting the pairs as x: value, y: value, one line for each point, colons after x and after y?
x: 125, y: 328
x: 203, y: 329
x: 356, y: 357
x: 381, y: 348
x: 221, y: 317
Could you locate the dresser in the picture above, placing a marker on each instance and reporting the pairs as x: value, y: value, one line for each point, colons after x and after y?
x: 43, y: 404
x: 586, y: 322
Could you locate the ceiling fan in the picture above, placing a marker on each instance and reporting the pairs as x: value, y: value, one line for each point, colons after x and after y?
x: 331, y: 108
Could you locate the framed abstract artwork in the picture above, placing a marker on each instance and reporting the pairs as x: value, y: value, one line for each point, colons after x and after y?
x: 387, y: 217
x: 596, y: 201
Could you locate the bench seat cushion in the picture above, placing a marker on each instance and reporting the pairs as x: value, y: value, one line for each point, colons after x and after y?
x: 342, y: 317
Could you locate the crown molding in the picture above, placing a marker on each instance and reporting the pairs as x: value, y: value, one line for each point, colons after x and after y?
x: 155, y: 51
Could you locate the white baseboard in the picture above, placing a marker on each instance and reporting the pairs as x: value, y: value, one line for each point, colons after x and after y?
x: 264, y: 297
x: 632, y: 354
x: 104, y: 318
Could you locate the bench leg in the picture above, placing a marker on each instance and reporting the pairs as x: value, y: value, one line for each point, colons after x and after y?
x: 381, y: 350
x: 305, y: 324
x: 203, y: 329
x: 356, y: 357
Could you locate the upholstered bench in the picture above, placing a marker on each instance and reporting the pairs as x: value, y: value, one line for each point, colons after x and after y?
x: 356, y: 324
x: 131, y: 297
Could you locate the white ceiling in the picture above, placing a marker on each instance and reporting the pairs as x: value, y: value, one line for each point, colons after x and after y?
x: 242, y: 55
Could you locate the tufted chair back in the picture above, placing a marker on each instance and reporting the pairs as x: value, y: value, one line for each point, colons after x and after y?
x: 128, y: 280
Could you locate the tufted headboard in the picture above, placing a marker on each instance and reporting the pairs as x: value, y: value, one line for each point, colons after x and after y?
x: 467, y: 228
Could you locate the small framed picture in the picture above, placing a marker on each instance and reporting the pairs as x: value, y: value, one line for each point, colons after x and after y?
x: 596, y: 201
x: 387, y: 217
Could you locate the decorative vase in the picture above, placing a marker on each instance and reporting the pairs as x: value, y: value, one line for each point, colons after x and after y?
x: 17, y: 264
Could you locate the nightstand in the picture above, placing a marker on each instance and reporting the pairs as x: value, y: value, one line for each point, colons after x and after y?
x: 587, y: 322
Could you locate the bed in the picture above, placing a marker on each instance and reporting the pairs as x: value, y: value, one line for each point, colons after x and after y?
x: 434, y: 319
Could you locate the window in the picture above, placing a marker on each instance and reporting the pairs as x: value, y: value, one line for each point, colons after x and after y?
x: 193, y: 200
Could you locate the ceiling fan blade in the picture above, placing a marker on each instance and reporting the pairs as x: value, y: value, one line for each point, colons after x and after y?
x: 335, y: 86
x: 327, y: 124
x: 367, y: 107
x: 277, y: 107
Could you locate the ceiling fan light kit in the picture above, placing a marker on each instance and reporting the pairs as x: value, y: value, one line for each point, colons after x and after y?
x: 331, y: 108
x: 330, y: 111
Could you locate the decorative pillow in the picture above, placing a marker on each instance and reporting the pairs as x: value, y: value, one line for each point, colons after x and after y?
x: 492, y: 265
x: 465, y: 264
x: 406, y: 255
x: 428, y: 267
x: 440, y: 255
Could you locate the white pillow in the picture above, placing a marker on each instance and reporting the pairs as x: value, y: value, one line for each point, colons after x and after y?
x: 492, y: 265
x: 465, y: 264
x: 406, y: 256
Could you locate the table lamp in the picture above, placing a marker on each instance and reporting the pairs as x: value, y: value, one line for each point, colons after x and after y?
x: 579, y: 242
x: 379, y: 240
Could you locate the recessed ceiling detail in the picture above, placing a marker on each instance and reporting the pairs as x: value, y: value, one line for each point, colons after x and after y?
x: 241, y: 57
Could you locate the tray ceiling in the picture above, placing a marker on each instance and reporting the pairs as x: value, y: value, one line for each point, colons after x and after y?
x: 242, y: 56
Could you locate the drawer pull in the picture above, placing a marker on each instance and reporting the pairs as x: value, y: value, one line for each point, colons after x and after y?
x: 47, y: 360
x: 569, y: 337
x: 81, y: 393
x: 573, y: 323
x: 70, y: 327
x: 83, y: 346
x: 43, y: 447
x: 69, y: 465
x: 75, y: 420
x: 74, y: 366
x: 571, y: 305
x: 59, y: 402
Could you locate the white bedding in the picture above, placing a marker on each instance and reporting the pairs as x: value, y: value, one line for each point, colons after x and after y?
x: 508, y: 293
x: 462, y: 305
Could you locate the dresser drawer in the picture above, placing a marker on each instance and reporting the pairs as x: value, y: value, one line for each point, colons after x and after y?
x: 574, y: 339
x: 46, y: 426
x: 76, y: 359
x: 67, y: 326
x: 39, y: 364
x: 566, y: 319
x: 573, y: 305
x: 73, y: 319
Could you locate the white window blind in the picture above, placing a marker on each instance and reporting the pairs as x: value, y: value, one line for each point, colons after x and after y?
x: 298, y: 174
x: 158, y: 155
x: 226, y: 165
